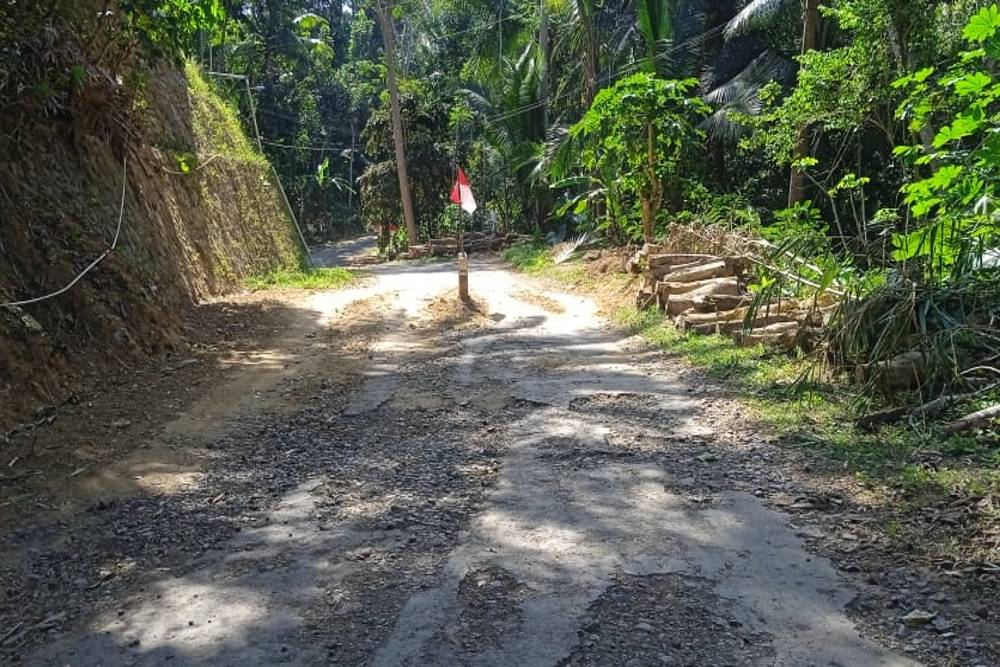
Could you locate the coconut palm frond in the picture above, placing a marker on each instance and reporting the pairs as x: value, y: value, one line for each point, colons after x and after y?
x: 572, y: 246
x: 757, y: 14
x: 720, y: 126
x: 768, y: 66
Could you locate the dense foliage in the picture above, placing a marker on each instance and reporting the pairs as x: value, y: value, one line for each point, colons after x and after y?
x: 639, y: 135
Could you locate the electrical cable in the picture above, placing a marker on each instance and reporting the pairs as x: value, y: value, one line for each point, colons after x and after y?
x: 331, y: 149
x: 90, y: 267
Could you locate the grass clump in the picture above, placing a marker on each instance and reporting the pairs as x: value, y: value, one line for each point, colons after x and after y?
x: 531, y: 258
x: 536, y: 259
x: 755, y: 368
x: 311, y: 278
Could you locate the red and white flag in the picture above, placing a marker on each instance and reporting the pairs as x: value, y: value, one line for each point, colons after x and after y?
x: 461, y: 193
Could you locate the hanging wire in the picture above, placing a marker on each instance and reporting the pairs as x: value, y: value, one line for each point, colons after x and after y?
x: 100, y: 258
x: 331, y: 149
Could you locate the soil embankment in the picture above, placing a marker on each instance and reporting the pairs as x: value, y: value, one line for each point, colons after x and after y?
x: 201, y: 212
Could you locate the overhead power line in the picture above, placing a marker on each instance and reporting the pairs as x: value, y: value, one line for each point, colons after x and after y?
x: 330, y: 149
x: 626, y: 69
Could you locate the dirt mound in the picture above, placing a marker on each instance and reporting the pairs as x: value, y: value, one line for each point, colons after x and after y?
x: 540, y: 300
x: 201, y: 212
x: 447, y: 310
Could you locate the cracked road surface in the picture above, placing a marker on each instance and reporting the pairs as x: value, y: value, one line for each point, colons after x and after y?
x: 522, y: 486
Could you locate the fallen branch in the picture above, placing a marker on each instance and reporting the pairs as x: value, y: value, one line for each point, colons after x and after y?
x: 928, y: 409
x: 978, y: 418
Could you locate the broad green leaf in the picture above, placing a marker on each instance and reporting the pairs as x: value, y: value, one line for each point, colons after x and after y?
x: 963, y: 126
x: 945, y: 176
x: 973, y: 84
x: 983, y: 25
x: 309, y: 21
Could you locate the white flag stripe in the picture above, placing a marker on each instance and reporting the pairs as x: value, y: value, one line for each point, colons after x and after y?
x: 468, y: 201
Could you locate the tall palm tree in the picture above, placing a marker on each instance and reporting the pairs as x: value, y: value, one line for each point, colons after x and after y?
x: 514, y: 123
x: 745, y: 60
x: 584, y: 16
x: 756, y: 15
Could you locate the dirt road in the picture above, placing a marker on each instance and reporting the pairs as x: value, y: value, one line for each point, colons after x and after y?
x: 515, y: 484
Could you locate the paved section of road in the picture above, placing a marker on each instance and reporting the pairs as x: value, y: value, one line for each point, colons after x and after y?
x: 344, y: 253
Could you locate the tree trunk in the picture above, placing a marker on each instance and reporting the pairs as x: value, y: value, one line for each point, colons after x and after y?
x: 585, y: 11
x: 389, y: 43
x: 350, y: 166
x: 797, y: 182
x: 335, y: 18
x: 590, y: 64
x: 650, y: 202
x: 904, y: 66
x: 543, y: 48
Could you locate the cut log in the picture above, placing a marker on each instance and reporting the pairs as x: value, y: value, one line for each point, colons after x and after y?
x: 708, y: 305
x: 671, y: 259
x: 761, y: 322
x: 667, y: 269
x: 715, y: 269
x: 735, y: 315
x: 904, y: 371
x: 444, y: 247
x: 719, y: 286
x: 735, y: 266
x: 739, y: 314
x: 780, y: 334
x: 675, y: 304
x: 730, y: 325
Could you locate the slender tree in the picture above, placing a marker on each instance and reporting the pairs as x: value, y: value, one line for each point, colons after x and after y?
x: 389, y: 41
x: 810, y: 29
x: 544, y: 58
